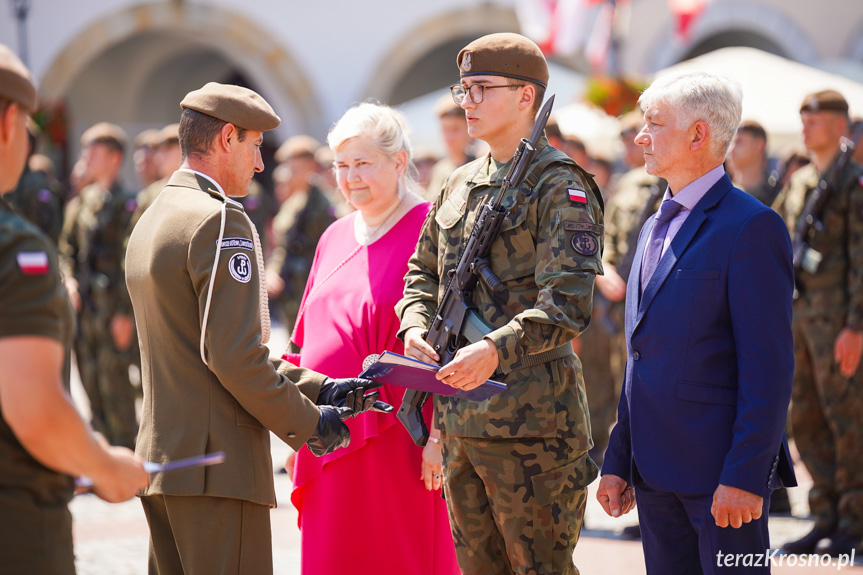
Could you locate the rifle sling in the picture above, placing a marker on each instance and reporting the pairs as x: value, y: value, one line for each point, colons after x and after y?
x: 535, y: 359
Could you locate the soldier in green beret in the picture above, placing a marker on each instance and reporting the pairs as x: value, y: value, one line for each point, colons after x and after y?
x: 827, y: 397
x: 92, y: 250
x: 195, y: 276
x: 43, y: 440
x: 515, y: 466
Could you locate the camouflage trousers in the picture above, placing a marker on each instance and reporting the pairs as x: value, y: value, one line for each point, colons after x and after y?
x: 827, y: 420
x: 516, y: 506
x: 104, y: 373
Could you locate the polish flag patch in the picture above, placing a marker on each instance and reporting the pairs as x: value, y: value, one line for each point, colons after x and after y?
x: 578, y: 196
x: 33, y: 263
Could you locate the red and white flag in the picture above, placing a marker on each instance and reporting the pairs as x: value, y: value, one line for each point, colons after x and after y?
x: 577, y: 196
x: 33, y: 263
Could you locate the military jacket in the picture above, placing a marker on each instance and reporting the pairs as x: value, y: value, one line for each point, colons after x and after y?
x: 836, y: 287
x: 41, y: 201
x: 228, y: 403
x: 637, y: 197
x: 547, y: 256
x: 296, y: 230
x: 33, y: 302
x: 92, y: 246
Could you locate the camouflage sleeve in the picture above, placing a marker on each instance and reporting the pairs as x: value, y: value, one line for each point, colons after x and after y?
x: 854, y: 237
x: 422, y: 282
x: 569, y: 237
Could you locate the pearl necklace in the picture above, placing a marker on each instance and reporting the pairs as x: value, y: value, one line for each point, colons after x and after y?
x: 366, y: 234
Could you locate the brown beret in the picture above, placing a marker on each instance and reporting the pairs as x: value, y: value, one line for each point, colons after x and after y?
x: 825, y: 101
x: 504, y: 54
x: 16, y: 83
x: 631, y: 121
x: 170, y: 134
x: 296, y: 146
x: 147, y: 139
x: 233, y: 104
x: 105, y: 133
x: 445, y: 106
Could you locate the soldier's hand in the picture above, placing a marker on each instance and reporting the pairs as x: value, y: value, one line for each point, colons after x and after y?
x: 611, y: 285
x: 331, y: 432
x: 471, y: 367
x: 615, y: 495
x: 418, y: 348
x: 733, y: 506
x: 121, y: 477
x: 847, y: 351
x: 122, y: 331
x: 275, y: 284
x: 351, y: 394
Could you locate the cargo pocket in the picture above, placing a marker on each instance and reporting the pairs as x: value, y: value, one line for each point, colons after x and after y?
x: 560, y: 498
x: 513, y: 253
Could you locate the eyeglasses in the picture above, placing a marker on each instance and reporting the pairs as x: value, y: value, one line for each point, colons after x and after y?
x: 476, y: 91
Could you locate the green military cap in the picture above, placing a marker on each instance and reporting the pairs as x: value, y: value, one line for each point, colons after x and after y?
x: 504, y: 54
x: 825, y: 101
x: 105, y: 133
x: 297, y: 146
x: 16, y: 83
x: 170, y: 134
x: 236, y: 105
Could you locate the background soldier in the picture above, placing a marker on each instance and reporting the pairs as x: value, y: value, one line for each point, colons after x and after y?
x: 303, y: 216
x: 43, y: 440
x: 636, y: 197
x: 166, y: 160
x: 92, y: 247
x: 144, y: 157
x: 748, y: 163
x: 827, y: 400
x: 459, y: 144
x: 515, y: 466
x: 39, y: 197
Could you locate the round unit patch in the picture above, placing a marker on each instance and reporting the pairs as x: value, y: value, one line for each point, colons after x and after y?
x: 240, y: 267
x: 584, y: 243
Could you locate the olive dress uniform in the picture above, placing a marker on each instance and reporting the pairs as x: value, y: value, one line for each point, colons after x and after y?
x: 827, y: 408
x: 35, y: 523
x: 516, y: 465
x: 216, y: 393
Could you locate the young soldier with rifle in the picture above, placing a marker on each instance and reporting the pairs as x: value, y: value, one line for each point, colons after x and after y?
x: 823, y: 207
x: 516, y: 465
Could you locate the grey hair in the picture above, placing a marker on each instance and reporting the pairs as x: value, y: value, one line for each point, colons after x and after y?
x: 383, y: 125
x: 700, y: 96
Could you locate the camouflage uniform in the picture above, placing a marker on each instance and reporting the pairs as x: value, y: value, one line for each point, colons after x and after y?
x: 515, y: 465
x: 764, y: 193
x: 92, y: 247
x: 603, y: 347
x: 296, y: 230
x: 827, y: 408
x: 41, y: 200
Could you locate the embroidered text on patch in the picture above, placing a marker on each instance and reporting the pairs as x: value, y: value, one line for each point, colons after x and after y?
x: 235, y: 243
x: 578, y: 196
x: 33, y: 263
x: 240, y: 267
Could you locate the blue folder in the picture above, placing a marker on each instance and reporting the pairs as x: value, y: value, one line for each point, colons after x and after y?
x: 394, y: 369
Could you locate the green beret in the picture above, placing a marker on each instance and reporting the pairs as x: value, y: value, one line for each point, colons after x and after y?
x: 16, y: 83
x: 233, y: 104
x: 504, y: 54
x: 825, y: 101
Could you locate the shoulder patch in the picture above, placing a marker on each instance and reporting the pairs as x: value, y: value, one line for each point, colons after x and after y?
x: 584, y: 243
x: 240, y: 267
x: 33, y: 263
x: 577, y: 196
x: 237, y: 243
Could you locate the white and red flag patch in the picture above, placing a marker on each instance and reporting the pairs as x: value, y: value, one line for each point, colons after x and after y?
x: 33, y: 263
x: 578, y: 196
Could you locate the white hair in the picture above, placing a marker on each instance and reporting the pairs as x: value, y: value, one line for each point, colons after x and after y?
x: 386, y: 127
x: 700, y: 96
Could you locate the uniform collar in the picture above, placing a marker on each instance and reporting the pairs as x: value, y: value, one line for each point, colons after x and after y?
x: 492, y: 173
x: 203, y: 175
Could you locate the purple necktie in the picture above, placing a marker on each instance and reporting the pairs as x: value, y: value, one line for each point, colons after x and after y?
x: 653, y: 249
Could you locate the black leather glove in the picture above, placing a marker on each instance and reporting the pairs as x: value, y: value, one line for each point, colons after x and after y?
x: 351, y: 393
x: 331, y: 432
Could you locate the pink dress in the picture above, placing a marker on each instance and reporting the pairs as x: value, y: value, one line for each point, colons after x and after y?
x: 364, y: 508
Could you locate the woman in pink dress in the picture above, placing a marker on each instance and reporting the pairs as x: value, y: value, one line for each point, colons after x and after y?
x: 374, y: 507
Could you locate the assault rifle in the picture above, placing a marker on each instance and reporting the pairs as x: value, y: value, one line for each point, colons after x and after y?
x: 809, y: 223
x: 456, y: 322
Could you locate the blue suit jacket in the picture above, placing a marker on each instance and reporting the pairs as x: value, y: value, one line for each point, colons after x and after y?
x: 710, y: 354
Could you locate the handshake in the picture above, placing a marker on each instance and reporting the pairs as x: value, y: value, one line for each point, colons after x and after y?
x: 338, y: 400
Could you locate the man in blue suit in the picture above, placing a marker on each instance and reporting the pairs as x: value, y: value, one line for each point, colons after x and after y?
x: 700, y: 439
